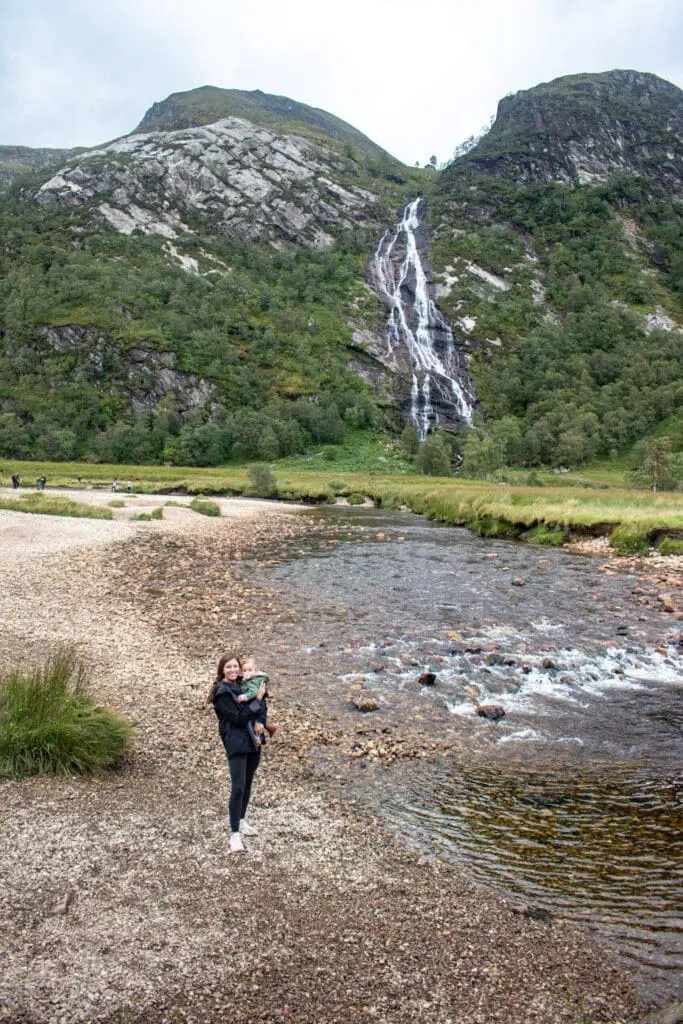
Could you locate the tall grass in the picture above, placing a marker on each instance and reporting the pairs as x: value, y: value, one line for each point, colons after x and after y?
x: 49, y: 725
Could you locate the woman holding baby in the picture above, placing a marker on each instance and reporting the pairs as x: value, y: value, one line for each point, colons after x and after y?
x: 241, y: 710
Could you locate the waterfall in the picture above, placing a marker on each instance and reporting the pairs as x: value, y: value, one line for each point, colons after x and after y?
x: 441, y: 387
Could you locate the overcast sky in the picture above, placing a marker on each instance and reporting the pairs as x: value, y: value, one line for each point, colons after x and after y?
x: 417, y: 77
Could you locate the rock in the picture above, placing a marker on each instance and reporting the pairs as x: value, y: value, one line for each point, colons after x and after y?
x: 668, y: 601
x: 364, y: 702
x: 518, y: 582
x: 427, y: 679
x: 538, y: 914
x: 494, y: 712
x: 548, y: 663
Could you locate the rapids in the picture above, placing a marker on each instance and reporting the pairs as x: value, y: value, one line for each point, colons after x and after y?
x: 571, y: 804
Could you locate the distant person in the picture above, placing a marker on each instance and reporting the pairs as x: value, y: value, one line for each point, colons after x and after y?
x: 16, y: 480
x: 238, y: 721
x: 114, y: 485
x: 43, y: 481
x: 129, y: 486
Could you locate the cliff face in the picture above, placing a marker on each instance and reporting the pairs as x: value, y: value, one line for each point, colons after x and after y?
x: 239, y: 179
x: 584, y: 129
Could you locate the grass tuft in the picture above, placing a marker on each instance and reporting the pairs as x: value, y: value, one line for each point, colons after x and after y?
x: 146, y: 517
x: 629, y: 539
x: 49, y: 725
x: 671, y: 547
x: 543, y: 534
x: 51, y: 505
x: 205, y: 507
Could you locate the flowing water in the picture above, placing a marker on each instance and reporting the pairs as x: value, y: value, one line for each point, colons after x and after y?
x: 571, y: 803
x: 417, y: 329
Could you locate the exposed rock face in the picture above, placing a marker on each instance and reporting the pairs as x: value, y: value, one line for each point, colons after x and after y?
x: 586, y: 129
x: 250, y: 182
x: 144, y: 376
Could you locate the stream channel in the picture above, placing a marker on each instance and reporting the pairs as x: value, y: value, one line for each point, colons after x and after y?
x: 571, y: 805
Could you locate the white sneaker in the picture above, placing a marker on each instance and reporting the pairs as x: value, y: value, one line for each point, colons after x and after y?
x: 236, y: 844
x: 246, y: 829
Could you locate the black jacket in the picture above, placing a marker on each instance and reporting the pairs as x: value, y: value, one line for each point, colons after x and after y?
x: 233, y: 718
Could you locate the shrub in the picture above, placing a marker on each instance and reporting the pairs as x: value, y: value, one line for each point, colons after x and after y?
x: 205, y: 507
x: 116, y: 503
x: 433, y: 457
x: 49, y: 725
x: 356, y: 499
x: 671, y: 547
x: 338, y: 486
x: 628, y: 539
x: 534, y: 480
x: 263, y: 482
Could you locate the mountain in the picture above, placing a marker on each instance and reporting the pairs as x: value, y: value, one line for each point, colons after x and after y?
x: 209, y: 104
x: 558, y: 257
x: 218, y: 283
x: 16, y: 161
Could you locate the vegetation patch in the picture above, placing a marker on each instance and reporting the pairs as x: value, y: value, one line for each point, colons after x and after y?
x: 49, y: 725
x: 490, y: 526
x: 205, y: 507
x: 356, y: 499
x: 671, y: 547
x: 543, y: 534
x: 629, y: 539
x: 49, y: 505
x: 116, y: 503
x: 146, y: 517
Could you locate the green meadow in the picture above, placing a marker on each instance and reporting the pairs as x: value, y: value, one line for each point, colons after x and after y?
x: 594, y: 507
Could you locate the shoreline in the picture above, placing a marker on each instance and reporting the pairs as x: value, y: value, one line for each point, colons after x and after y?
x: 343, y: 921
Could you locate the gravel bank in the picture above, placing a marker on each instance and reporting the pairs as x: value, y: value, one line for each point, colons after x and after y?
x: 120, y: 900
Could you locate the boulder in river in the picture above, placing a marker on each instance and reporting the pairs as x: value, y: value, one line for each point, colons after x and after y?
x: 364, y: 702
x: 494, y: 712
x: 427, y: 679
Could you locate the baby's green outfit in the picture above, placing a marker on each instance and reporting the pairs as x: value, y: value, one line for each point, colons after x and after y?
x: 252, y: 686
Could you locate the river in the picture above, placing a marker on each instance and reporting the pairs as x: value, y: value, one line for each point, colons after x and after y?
x: 570, y: 804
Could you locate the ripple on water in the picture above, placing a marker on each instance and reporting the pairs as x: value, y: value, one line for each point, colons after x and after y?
x: 602, y: 846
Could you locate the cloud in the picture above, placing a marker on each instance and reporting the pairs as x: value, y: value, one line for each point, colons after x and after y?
x: 416, y: 79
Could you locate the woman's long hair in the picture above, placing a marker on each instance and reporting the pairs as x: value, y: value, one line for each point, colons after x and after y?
x: 219, y: 674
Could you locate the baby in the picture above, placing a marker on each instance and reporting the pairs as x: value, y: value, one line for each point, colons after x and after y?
x: 252, y: 680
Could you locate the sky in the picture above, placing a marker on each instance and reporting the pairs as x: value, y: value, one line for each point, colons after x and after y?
x: 416, y: 77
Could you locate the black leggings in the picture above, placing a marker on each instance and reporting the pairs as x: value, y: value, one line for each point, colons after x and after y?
x: 242, y: 770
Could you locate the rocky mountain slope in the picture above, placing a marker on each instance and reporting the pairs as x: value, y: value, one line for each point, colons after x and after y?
x: 204, y: 288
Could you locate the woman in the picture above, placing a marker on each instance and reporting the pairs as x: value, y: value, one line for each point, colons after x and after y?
x: 236, y: 721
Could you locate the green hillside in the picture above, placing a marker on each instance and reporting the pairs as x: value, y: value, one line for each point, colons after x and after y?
x: 575, y: 349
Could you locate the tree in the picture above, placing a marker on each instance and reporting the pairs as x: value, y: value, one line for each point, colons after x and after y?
x: 480, y: 457
x: 433, y: 457
x: 410, y: 442
x: 653, y: 458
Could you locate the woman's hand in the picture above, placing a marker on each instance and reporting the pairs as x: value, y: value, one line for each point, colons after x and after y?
x: 242, y: 699
x: 261, y: 692
x: 258, y: 728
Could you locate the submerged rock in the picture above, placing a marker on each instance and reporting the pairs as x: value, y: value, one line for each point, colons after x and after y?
x: 494, y: 712
x: 427, y: 679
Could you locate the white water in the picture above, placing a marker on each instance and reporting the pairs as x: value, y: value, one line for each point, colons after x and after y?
x: 438, y: 379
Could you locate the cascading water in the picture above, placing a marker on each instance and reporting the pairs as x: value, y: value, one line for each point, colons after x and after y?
x: 441, y: 389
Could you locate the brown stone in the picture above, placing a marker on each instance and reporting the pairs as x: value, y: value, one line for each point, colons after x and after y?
x: 427, y: 679
x: 494, y: 712
x: 668, y: 601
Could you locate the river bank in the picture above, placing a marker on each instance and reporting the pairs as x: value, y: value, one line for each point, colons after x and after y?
x: 121, y: 900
